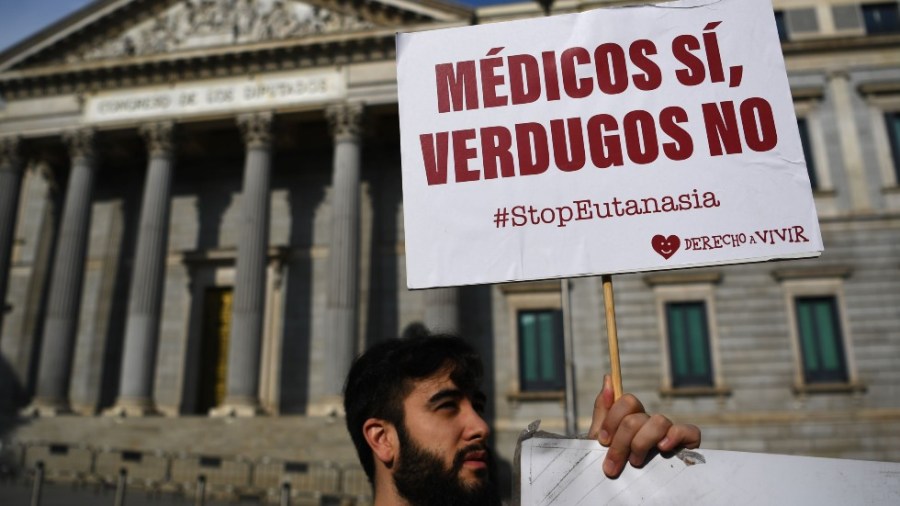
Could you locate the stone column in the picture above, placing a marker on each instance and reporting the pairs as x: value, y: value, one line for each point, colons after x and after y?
x: 441, y: 311
x: 245, y: 339
x: 60, y: 325
x: 343, y: 275
x: 147, y: 277
x: 10, y: 183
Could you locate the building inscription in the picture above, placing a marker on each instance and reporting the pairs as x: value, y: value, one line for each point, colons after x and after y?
x: 219, y: 97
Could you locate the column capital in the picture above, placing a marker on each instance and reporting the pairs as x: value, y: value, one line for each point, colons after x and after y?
x: 158, y: 137
x: 256, y: 129
x: 345, y: 120
x: 80, y: 142
x: 9, y: 152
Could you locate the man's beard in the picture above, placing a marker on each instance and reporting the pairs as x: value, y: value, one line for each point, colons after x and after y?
x: 421, y: 479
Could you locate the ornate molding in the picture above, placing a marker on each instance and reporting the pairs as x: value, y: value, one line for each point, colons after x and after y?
x: 10, y: 157
x: 345, y: 120
x: 256, y: 129
x: 206, y: 23
x: 80, y: 143
x: 158, y: 137
x: 817, y: 272
x: 683, y: 278
x: 530, y: 287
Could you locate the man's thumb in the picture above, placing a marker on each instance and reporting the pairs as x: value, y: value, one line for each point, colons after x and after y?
x: 602, y: 405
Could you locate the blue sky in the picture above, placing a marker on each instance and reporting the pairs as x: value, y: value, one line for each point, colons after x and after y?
x: 21, y: 18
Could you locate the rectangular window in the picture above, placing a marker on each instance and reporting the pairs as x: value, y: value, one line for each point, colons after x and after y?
x: 689, y: 353
x: 541, y: 360
x: 821, y: 340
x: 893, y: 129
x: 807, y: 152
x: 881, y: 17
x: 847, y: 18
x: 801, y: 21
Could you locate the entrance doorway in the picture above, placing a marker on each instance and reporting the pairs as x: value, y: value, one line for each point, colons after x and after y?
x: 214, y: 348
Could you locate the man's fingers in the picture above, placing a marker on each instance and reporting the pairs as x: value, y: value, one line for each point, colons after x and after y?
x: 626, y: 405
x: 639, y: 433
x: 630, y: 434
x: 680, y: 436
x: 602, y: 404
x: 647, y: 438
x: 620, y: 446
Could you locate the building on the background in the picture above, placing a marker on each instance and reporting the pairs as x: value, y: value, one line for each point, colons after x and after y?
x: 201, y: 225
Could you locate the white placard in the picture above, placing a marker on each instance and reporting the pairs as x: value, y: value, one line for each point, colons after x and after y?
x: 615, y: 140
x: 568, y: 472
x: 224, y: 96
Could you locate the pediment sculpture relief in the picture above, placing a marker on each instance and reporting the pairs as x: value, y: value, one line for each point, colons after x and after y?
x: 208, y: 23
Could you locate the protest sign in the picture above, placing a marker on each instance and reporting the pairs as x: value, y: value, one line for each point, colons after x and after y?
x: 566, y: 472
x: 615, y: 140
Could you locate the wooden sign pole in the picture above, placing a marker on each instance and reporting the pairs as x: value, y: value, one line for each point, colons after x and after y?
x: 612, y: 336
x: 568, y: 351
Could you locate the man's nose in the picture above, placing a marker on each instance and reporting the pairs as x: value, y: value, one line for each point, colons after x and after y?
x: 476, y: 427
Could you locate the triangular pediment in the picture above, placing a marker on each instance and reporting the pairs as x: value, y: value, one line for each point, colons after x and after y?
x: 117, y: 29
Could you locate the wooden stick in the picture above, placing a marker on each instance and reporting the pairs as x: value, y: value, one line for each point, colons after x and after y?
x: 612, y: 336
x: 571, y: 411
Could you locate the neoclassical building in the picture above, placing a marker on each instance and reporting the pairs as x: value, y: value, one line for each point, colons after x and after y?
x: 201, y: 221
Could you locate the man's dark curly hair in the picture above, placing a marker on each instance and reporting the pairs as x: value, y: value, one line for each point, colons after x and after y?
x: 381, y: 378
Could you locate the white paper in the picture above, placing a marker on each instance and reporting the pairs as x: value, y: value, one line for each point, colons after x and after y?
x: 674, y: 194
x: 568, y: 472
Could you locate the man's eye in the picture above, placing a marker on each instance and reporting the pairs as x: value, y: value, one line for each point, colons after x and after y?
x: 447, y: 405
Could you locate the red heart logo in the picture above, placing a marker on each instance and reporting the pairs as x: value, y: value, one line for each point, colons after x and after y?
x: 665, y: 246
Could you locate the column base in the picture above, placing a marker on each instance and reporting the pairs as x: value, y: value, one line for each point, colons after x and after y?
x: 43, y: 408
x: 332, y: 405
x: 132, y: 409
x: 237, y: 409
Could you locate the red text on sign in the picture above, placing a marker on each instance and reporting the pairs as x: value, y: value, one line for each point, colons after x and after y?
x: 525, y: 149
x: 577, y: 72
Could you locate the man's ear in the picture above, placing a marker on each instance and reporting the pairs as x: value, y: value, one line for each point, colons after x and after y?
x: 381, y: 437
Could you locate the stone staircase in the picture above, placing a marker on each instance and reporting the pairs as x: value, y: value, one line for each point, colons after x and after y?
x: 293, y: 437
x: 232, y: 457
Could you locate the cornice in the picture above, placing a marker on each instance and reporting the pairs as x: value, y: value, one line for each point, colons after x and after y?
x: 60, y: 30
x: 686, y: 277
x: 393, y: 10
x: 841, y: 44
x: 218, y: 62
x: 807, y: 92
x: 310, y: 52
x: 202, y: 54
x: 817, y: 272
x: 879, y: 88
x: 106, y: 19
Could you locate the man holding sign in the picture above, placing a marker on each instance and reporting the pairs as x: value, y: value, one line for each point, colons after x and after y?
x: 619, y: 140
x: 414, y: 411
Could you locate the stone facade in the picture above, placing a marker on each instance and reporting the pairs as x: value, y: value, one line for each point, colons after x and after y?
x: 325, y: 187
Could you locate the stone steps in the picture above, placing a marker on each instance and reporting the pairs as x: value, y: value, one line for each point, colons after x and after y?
x: 235, y: 456
x: 289, y: 438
